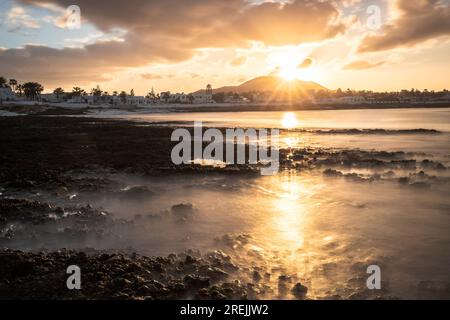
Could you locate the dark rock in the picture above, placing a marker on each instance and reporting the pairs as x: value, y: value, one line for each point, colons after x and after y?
x: 182, y: 211
x: 299, y: 290
x: 139, y: 193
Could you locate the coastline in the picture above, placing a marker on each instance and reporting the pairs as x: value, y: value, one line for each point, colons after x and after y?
x: 14, y: 108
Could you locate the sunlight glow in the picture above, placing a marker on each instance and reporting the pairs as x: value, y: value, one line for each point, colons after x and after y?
x: 287, y: 65
x: 289, y: 120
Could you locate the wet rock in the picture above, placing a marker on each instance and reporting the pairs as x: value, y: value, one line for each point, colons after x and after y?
x: 332, y: 173
x: 299, y: 291
x: 215, y: 273
x: 182, y: 210
x: 61, y: 191
x: 256, y: 276
x: 196, y: 282
x: 403, y: 180
x: 139, y: 193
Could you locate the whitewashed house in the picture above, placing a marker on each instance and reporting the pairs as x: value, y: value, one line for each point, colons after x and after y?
x: 6, y: 94
x: 204, y: 96
x: 343, y: 100
x: 136, y: 100
x: 179, y: 98
x: 53, y: 98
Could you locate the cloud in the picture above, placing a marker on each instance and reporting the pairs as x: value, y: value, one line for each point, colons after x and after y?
x: 156, y: 76
x: 17, y: 19
x: 92, y: 63
x: 166, y: 31
x: 362, y: 65
x: 305, y: 63
x: 417, y: 21
x: 238, y: 61
x: 151, y: 76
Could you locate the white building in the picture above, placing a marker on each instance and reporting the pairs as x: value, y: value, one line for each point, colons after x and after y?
x: 343, y: 100
x: 205, y: 96
x: 179, y: 98
x: 51, y: 97
x: 6, y: 94
x: 135, y: 100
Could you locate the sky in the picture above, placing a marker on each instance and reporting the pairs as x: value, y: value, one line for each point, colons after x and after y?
x: 183, y: 45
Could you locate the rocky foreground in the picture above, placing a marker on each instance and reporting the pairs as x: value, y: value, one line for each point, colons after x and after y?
x: 25, y: 275
x: 47, y: 161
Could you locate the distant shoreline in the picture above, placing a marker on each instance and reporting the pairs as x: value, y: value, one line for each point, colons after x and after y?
x: 299, y: 107
x: 37, y: 108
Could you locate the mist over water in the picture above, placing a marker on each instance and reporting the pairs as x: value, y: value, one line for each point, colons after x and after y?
x: 329, y: 230
x: 325, y: 229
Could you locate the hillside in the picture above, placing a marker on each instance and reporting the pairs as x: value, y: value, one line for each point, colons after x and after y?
x: 270, y: 83
x: 277, y: 87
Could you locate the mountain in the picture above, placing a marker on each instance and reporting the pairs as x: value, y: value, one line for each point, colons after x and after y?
x: 276, y: 87
x: 272, y: 83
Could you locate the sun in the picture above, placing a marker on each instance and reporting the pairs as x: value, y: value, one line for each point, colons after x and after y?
x: 288, y: 65
x: 289, y: 72
x: 289, y: 120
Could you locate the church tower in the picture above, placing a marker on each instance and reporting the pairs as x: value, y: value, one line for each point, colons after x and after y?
x: 209, y: 89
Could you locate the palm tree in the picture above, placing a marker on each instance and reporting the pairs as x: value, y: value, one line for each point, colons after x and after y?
x: 123, y: 97
x: 77, y: 91
x: 13, y: 84
x: 32, y: 89
x: 96, y: 93
x: 165, y: 96
x: 115, y: 93
x: 132, y: 92
x: 58, y: 92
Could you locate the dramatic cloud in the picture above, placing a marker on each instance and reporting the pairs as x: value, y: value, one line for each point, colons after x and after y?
x: 361, y: 65
x: 170, y: 31
x: 418, y: 21
x: 82, y: 65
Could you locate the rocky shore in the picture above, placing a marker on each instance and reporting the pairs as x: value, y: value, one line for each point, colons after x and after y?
x: 51, y: 168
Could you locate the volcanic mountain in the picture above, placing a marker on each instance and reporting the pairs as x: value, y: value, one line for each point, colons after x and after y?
x: 278, y: 88
x: 271, y: 83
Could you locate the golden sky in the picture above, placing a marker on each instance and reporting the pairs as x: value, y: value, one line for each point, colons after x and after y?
x: 181, y: 45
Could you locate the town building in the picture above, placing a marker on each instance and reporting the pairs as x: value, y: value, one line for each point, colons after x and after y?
x: 6, y: 94
x: 204, y: 96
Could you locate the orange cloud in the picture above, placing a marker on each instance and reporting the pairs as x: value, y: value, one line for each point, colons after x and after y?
x: 361, y: 65
x: 167, y: 31
x: 418, y: 21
